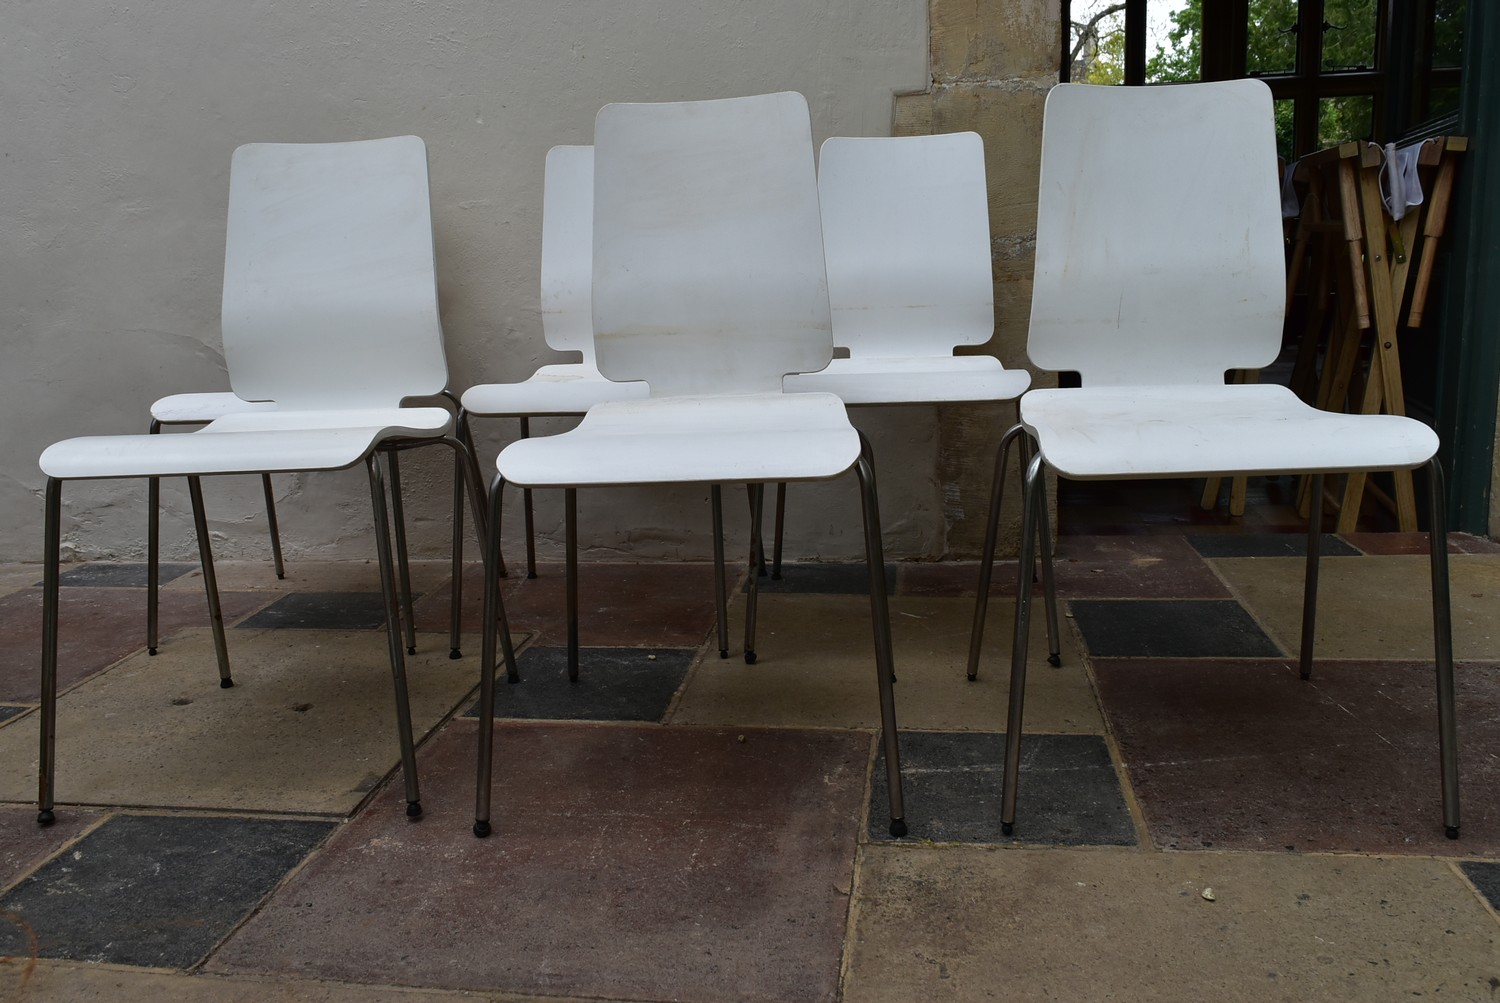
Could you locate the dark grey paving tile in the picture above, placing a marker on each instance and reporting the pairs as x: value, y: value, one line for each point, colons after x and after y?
x: 153, y: 890
x: 1268, y: 545
x: 323, y: 611
x: 1170, y: 628
x: 1486, y: 877
x: 614, y: 684
x: 1068, y: 793
x: 8, y: 711
x: 824, y: 579
x: 108, y: 575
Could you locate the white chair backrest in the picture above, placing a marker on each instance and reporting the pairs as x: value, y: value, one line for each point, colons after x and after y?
x: 330, y: 293
x: 568, y: 250
x: 907, y: 234
x: 1159, y: 247
x: 708, y: 251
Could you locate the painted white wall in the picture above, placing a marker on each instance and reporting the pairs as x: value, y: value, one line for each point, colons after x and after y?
x: 119, y: 124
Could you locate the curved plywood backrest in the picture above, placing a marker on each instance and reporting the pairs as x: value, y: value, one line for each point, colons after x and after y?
x: 1159, y: 247
x: 330, y: 296
x: 907, y: 236
x: 708, y: 252
x: 568, y: 250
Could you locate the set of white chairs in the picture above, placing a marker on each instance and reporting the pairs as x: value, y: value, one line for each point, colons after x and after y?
x: 704, y: 270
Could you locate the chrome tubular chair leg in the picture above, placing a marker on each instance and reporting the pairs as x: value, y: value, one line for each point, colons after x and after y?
x: 1031, y: 506
x: 210, y: 582
x: 987, y: 557
x: 528, y: 513
x: 757, y: 568
x: 1310, y: 581
x: 153, y: 552
x: 478, y: 504
x: 47, y: 754
x: 493, y: 620
x: 456, y: 590
x: 570, y: 558
x: 1049, y: 581
x: 393, y: 632
x: 780, y: 531
x: 403, y: 564
x: 757, y: 539
x: 272, y: 526
x: 880, y: 616
x: 721, y: 599
x: 1442, y: 632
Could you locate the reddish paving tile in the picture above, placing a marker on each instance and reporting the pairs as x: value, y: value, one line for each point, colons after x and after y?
x: 1245, y: 755
x: 1389, y: 544
x: 96, y: 628
x: 670, y: 605
x: 633, y: 862
x: 1088, y: 567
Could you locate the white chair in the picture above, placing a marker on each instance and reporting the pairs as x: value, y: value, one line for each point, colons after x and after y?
x: 570, y: 388
x: 327, y: 246
x: 1159, y: 267
x: 708, y: 284
x: 907, y: 236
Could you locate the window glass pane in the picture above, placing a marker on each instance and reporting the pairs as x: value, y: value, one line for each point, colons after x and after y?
x: 1097, y: 42
x: 1271, y: 39
x: 1349, y: 34
x: 1285, y: 110
x: 1444, y: 101
x: 1174, y: 40
x: 1448, y: 33
x: 1344, y: 118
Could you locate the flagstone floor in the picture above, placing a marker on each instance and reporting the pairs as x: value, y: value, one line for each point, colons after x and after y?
x: 1195, y: 821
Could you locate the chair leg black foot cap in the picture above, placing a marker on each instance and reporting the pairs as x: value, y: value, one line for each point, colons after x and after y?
x: 531, y: 574
x: 898, y: 828
x: 411, y: 649
x: 512, y: 680
x: 973, y: 676
x: 481, y: 829
x: 413, y: 809
x: 749, y: 658
x: 281, y: 577
x: 1008, y: 828
x: 150, y: 651
x: 723, y: 652
x: 226, y: 684
x: 776, y: 576
x: 1054, y: 660
x: 455, y: 654
x: 1451, y: 832
x: 45, y: 817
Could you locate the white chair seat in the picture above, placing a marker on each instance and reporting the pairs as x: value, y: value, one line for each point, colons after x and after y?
x: 925, y: 379
x: 564, y: 389
x: 1184, y: 431
x: 691, y: 439
x: 195, y: 409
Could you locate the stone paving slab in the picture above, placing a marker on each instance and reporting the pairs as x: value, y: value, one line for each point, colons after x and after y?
x: 309, y: 725
x: 1268, y: 545
x: 614, y: 684
x: 152, y: 890
x: 108, y: 574
x: 815, y: 667
x: 1247, y: 755
x: 62, y: 982
x: 1068, y: 793
x: 627, y: 861
x: 321, y: 611
x: 15, y: 577
x: 313, y: 575
x: 24, y: 845
x: 1373, y: 609
x: 968, y: 924
x: 96, y: 628
x: 1170, y: 628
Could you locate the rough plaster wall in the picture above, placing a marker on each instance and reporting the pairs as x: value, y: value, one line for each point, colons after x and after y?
x: 992, y: 66
x: 120, y: 120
